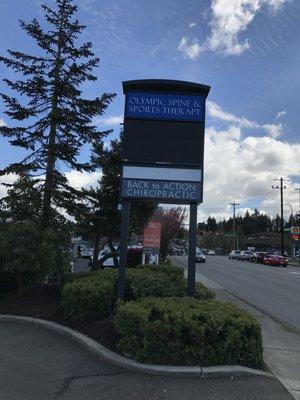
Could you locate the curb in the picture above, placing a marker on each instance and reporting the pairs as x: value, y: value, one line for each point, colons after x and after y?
x: 120, y: 361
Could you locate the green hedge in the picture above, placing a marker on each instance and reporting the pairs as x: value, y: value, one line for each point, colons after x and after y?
x: 184, y: 331
x: 93, y: 295
x: 154, y: 282
x: 203, y: 293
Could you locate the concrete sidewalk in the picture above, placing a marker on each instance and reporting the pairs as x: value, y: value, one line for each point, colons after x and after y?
x: 39, y: 364
x: 281, y: 342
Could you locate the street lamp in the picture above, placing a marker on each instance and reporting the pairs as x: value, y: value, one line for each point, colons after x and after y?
x: 292, y: 212
x: 293, y: 246
x: 298, y: 190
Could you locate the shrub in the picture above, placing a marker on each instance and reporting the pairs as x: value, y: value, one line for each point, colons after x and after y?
x: 184, y: 331
x: 8, y: 283
x: 203, y: 293
x: 153, y: 282
x: 87, y: 295
x: 91, y: 297
x: 167, y: 261
x: 29, y: 254
x: 170, y: 270
x: 134, y: 257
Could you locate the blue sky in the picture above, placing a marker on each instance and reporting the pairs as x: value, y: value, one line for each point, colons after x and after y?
x: 248, y: 51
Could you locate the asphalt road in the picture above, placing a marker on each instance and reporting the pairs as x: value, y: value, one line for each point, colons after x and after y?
x: 38, y: 364
x: 274, y: 290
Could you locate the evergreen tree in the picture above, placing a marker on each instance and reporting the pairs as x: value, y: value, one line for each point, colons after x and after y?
x: 276, y: 223
x: 56, y: 121
x: 100, y: 217
x: 23, y: 201
x: 211, y: 224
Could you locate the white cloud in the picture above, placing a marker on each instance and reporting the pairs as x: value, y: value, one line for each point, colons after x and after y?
x: 10, y: 178
x: 241, y: 170
x: 273, y: 129
x: 190, y: 50
x: 2, y: 122
x: 229, y: 18
x: 82, y: 179
x: 113, y: 120
x: 215, y: 111
x: 280, y: 114
x: 76, y: 179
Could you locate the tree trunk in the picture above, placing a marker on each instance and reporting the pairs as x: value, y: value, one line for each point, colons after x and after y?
x: 95, y: 261
x: 49, y: 177
x: 48, y: 188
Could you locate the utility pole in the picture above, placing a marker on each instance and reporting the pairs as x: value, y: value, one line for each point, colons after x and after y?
x: 281, y: 187
x: 234, y: 227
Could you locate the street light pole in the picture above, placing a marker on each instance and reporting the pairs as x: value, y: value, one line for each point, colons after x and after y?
x: 293, y: 242
x: 298, y: 190
x: 292, y: 211
x: 234, y: 227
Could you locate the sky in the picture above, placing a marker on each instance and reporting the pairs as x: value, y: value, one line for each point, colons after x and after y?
x: 246, y: 50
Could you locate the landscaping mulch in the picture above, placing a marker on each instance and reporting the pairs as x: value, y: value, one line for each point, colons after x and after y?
x: 44, y: 303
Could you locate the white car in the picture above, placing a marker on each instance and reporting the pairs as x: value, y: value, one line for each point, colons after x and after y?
x: 87, y: 253
x: 211, y: 253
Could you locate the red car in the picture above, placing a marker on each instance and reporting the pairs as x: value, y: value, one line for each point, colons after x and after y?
x: 275, y: 260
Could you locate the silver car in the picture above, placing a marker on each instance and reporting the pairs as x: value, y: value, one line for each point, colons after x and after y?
x: 200, y: 257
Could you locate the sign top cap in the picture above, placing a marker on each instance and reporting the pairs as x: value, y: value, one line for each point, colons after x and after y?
x: 166, y: 85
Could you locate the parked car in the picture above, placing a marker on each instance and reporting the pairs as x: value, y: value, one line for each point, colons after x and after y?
x: 211, y: 253
x: 234, y: 254
x: 278, y: 253
x: 87, y: 253
x: 109, y: 262
x: 245, y: 255
x: 258, y: 256
x: 200, y: 257
x: 275, y: 260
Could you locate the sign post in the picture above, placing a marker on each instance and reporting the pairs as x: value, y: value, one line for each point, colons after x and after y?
x: 192, y: 249
x: 123, y: 249
x: 162, y: 153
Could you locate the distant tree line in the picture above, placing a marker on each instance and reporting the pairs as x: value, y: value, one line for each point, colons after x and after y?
x: 248, y: 224
x: 213, y: 234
